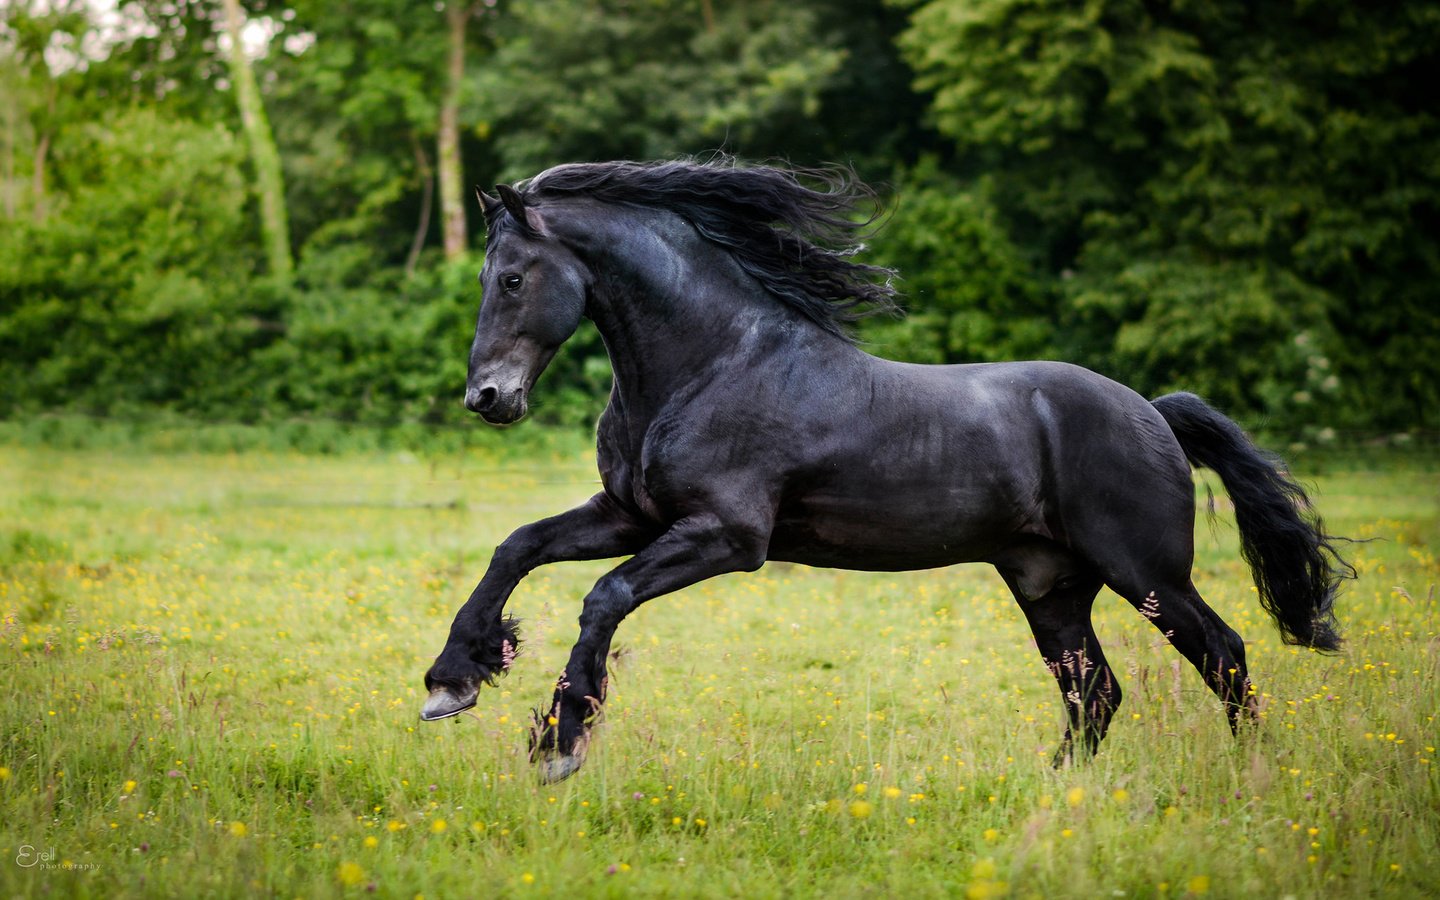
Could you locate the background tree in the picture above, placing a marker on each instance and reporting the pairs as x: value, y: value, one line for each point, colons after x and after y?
x: 615, y: 79
x: 971, y: 294
x: 359, y: 116
x: 1229, y: 195
x: 44, y: 54
x: 131, y: 294
x: 269, y: 180
x: 1236, y: 199
x: 458, y: 14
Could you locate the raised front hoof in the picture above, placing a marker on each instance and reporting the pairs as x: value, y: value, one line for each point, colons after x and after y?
x: 444, y: 703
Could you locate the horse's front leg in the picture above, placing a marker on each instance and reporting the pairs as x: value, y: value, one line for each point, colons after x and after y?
x: 695, y: 548
x: 482, y: 641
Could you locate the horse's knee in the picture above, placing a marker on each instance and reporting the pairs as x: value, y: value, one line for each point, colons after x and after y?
x: 607, y: 604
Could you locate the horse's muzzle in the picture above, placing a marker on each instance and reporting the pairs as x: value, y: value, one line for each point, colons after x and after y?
x: 496, y: 406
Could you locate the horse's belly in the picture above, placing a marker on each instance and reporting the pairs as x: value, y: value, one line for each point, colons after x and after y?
x: 890, y: 537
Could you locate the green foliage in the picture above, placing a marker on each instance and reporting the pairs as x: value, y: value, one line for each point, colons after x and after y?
x: 574, y: 79
x: 125, y: 293
x: 363, y: 349
x: 168, y: 434
x: 1235, y: 199
x: 356, y: 115
x: 1218, y: 178
x: 971, y: 293
x: 1256, y: 336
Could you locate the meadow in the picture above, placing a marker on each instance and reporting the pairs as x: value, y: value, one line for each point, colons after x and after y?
x: 212, y: 668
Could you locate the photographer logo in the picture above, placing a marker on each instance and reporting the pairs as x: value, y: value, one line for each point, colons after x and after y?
x: 29, y: 857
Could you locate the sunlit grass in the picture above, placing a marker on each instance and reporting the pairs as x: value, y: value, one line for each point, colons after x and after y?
x: 212, y: 669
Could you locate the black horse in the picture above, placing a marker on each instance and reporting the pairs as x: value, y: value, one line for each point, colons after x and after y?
x: 745, y: 425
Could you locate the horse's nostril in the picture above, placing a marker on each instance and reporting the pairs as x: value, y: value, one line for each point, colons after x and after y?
x: 481, y: 400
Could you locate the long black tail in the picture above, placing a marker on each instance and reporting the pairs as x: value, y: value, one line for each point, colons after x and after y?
x: 1297, y: 569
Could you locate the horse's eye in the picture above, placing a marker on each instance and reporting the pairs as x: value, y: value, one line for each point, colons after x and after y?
x: 510, y: 282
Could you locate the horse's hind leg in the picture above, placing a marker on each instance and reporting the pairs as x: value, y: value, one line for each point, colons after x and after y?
x: 1197, y: 631
x: 1057, y: 606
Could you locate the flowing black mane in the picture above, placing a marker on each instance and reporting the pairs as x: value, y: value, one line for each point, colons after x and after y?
x: 798, y: 241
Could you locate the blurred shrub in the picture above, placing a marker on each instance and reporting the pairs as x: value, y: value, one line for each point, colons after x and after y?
x: 969, y: 293
x: 131, y: 293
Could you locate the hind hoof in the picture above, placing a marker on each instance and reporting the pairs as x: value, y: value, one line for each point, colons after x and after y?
x: 442, y: 703
x: 559, y: 767
x: 556, y: 766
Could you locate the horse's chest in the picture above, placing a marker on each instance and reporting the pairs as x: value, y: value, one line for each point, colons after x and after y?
x: 623, y: 482
x: 645, y: 502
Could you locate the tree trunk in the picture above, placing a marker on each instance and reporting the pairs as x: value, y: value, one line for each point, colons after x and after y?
x: 10, y: 129
x: 40, y: 208
x: 427, y: 202
x: 452, y: 194
x: 37, y: 178
x: 269, y: 179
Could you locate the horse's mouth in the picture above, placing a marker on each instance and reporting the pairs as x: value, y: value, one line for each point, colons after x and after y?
x: 507, y: 415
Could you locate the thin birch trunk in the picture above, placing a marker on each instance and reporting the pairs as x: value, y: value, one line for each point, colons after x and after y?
x: 427, y: 204
x: 40, y: 208
x: 269, y: 179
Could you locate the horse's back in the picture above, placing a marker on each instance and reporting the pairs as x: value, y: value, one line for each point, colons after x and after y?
x: 1040, y: 412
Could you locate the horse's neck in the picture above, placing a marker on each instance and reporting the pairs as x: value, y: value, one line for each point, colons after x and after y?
x: 674, y: 309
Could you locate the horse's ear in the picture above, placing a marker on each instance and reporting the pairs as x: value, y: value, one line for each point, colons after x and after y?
x: 515, y: 206
x: 514, y: 203
x: 487, y: 203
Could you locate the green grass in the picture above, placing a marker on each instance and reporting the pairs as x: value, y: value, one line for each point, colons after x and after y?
x: 212, y: 662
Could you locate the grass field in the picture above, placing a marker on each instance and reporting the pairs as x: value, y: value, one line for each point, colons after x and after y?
x: 212, y: 670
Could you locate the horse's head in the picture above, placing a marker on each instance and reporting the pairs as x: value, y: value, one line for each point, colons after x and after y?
x: 534, y: 296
